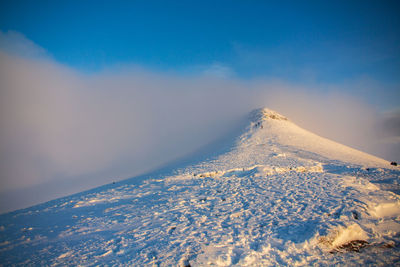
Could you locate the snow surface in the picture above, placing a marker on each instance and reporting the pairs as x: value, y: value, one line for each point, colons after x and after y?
x: 280, y: 196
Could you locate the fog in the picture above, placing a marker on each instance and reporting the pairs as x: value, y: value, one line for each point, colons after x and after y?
x: 64, y: 131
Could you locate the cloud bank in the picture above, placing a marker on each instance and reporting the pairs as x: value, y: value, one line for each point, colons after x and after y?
x: 60, y: 125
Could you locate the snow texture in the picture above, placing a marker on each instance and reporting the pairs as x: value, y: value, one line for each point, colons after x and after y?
x: 280, y: 196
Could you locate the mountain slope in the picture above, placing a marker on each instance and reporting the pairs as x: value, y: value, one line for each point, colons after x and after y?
x: 280, y: 196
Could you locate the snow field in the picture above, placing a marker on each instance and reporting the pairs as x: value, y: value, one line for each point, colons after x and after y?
x: 281, y: 196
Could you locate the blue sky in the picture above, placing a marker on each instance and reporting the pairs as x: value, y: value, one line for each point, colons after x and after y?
x: 323, y: 41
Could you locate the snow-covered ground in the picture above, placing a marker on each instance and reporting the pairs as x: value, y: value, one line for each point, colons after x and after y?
x: 280, y: 196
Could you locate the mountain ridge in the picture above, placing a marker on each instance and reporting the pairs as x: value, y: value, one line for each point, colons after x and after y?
x: 279, y: 196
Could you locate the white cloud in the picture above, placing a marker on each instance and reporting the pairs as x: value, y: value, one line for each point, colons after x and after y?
x: 59, y: 124
x: 219, y: 70
x: 15, y: 43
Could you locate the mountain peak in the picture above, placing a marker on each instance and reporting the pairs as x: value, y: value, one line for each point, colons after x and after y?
x: 277, y: 187
x: 263, y: 114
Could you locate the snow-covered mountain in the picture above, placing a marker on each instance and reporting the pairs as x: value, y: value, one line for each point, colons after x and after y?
x: 280, y: 196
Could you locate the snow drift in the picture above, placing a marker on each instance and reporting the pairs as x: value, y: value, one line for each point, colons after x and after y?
x: 279, y: 195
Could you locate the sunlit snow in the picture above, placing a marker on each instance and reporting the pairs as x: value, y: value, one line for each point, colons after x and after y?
x: 280, y: 196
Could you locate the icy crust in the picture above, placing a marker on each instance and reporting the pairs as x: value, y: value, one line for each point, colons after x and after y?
x: 270, y: 201
x: 263, y: 114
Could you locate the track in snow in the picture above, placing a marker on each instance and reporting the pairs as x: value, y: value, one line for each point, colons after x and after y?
x: 280, y: 196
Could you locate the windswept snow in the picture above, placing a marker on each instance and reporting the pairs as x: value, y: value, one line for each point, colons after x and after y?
x: 280, y: 196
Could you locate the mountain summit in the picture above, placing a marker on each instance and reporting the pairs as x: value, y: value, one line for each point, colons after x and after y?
x: 262, y: 114
x: 285, y: 133
x: 281, y: 195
